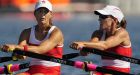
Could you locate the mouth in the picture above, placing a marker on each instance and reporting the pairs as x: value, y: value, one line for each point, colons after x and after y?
x: 42, y: 19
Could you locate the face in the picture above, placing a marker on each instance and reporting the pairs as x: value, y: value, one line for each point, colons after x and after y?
x: 106, y: 22
x: 43, y: 16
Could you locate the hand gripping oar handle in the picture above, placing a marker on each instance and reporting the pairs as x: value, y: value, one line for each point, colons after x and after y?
x: 77, y: 64
x: 112, y: 55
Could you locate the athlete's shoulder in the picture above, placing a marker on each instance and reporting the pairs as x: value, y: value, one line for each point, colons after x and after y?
x: 26, y: 30
x: 122, y: 33
x: 57, y: 33
x: 57, y: 30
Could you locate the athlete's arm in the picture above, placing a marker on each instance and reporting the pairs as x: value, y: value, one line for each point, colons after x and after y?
x: 24, y: 37
x: 56, y: 38
x: 114, y: 40
x: 118, y: 38
x: 95, y: 37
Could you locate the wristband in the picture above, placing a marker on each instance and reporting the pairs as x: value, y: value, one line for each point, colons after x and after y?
x: 25, y: 48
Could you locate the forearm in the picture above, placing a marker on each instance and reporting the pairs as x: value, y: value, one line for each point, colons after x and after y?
x: 96, y: 45
x: 35, y: 49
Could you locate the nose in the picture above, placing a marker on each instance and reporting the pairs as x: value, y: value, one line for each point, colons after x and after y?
x: 42, y: 15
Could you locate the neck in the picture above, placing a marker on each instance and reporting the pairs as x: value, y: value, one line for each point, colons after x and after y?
x: 111, y: 32
x: 42, y: 29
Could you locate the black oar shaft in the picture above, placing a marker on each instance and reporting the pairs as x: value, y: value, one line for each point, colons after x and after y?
x: 5, y: 59
x: 44, y: 57
x: 66, y: 56
x: 112, y: 55
x: 70, y: 56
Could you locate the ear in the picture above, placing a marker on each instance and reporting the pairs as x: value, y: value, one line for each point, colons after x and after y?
x: 116, y: 20
x: 113, y: 26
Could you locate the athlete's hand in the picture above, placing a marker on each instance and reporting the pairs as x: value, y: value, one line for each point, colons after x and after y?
x: 8, y: 47
x: 77, y: 45
x: 17, y: 56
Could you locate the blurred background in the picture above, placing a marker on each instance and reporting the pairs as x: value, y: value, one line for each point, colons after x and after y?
x: 76, y: 20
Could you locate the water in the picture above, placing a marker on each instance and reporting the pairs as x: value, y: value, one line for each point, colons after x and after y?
x: 75, y: 27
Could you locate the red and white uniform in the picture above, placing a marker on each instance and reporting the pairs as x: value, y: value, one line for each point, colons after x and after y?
x: 122, y: 50
x: 117, y: 64
x: 42, y: 66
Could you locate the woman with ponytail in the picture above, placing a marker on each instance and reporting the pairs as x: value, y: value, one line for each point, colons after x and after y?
x: 112, y: 36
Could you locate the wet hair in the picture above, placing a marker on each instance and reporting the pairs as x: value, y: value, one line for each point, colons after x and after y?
x: 123, y: 23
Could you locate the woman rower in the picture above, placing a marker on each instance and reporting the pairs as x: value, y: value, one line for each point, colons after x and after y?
x: 112, y: 36
x: 43, y: 38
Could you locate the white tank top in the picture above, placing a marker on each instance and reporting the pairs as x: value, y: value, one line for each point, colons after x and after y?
x: 33, y: 40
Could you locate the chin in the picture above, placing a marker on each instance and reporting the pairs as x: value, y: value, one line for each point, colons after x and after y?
x: 43, y: 22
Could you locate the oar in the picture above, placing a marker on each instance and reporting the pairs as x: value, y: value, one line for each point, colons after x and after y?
x: 5, y: 59
x: 17, y: 67
x: 71, y: 55
x: 66, y: 56
x: 112, y: 55
x: 109, y: 54
x: 77, y: 64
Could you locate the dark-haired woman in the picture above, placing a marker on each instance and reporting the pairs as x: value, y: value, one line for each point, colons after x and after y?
x: 112, y: 36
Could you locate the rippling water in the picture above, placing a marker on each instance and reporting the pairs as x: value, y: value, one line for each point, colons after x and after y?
x: 74, y: 27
